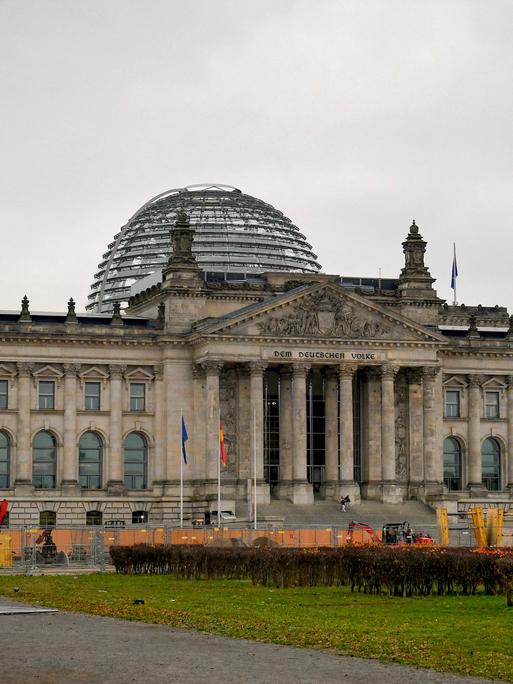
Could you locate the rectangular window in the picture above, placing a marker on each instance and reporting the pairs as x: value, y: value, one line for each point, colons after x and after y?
x: 137, y: 396
x: 452, y: 404
x: 46, y: 395
x: 491, y: 404
x: 3, y: 394
x: 92, y: 396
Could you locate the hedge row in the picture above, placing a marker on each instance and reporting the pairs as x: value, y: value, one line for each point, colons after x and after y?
x: 403, y: 571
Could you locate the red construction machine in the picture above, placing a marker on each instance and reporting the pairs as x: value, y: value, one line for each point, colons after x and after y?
x: 391, y: 534
x: 3, y: 510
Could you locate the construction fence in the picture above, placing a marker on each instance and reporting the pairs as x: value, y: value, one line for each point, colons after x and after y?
x: 36, y: 550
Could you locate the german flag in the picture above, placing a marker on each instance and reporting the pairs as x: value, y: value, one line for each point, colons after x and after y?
x: 221, y: 444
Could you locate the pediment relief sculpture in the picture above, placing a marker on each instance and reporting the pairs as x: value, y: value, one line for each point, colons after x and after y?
x: 325, y: 315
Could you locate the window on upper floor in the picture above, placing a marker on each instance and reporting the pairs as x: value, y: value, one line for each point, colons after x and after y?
x: 452, y: 404
x: 491, y: 404
x: 4, y: 403
x: 46, y: 395
x: 137, y: 396
x: 92, y: 396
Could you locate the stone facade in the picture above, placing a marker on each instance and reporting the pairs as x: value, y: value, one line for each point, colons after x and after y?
x: 374, y: 388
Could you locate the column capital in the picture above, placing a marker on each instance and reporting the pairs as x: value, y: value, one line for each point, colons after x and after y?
x: 197, y: 371
x: 212, y: 367
x: 509, y: 381
x: 286, y: 372
x: 71, y: 369
x: 475, y: 380
x: 300, y: 369
x: 257, y: 367
x: 346, y: 371
x: 388, y: 372
x: 116, y: 370
x: 430, y: 372
x: 332, y: 372
x: 158, y: 371
x: 24, y: 369
x: 414, y: 376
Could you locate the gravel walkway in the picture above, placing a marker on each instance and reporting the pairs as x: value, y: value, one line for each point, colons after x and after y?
x: 72, y: 648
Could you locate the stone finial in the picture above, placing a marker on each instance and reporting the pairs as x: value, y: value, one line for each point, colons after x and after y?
x: 510, y: 328
x: 116, y: 314
x: 25, y: 316
x: 472, y: 329
x: 72, y: 316
x: 414, y: 229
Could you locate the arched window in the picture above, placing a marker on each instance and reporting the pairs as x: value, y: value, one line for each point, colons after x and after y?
x: 47, y: 519
x: 44, y: 461
x: 94, y: 518
x: 5, y: 460
x: 90, y: 458
x: 452, y: 464
x: 136, y: 461
x: 491, y: 463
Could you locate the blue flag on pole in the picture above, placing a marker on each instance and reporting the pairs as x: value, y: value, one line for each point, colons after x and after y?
x: 454, y: 273
x: 185, y: 437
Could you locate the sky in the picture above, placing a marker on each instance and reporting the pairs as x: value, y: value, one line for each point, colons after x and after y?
x: 353, y: 118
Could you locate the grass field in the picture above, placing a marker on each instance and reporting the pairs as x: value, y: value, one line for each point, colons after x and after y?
x: 468, y: 635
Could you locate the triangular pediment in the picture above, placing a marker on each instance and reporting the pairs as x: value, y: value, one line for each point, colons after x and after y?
x: 322, y: 311
x: 48, y: 371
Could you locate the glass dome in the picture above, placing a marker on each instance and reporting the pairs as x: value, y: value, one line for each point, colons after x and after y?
x: 236, y: 234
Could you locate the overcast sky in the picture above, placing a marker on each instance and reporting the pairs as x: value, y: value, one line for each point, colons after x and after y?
x: 350, y: 117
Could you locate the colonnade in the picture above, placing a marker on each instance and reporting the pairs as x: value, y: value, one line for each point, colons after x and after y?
x: 425, y: 416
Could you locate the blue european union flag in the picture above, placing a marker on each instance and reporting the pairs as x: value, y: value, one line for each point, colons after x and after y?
x: 185, y: 437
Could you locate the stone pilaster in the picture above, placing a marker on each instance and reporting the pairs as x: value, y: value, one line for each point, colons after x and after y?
x: 286, y: 433
x: 475, y: 404
x: 302, y: 490
x: 390, y: 489
x: 198, y: 421
x: 415, y: 428
x: 346, y: 439
x: 159, y: 465
x: 70, y: 482
x: 256, y: 422
x: 23, y: 462
x: 371, y: 485
x: 510, y: 434
x: 115, y: 484
x: 433, y: 471
x: 212, y: 371
x: 331, y: 430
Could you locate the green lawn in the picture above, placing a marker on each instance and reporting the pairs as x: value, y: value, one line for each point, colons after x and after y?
x: 468, y: 635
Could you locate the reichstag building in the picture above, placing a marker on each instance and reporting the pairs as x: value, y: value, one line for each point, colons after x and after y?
x: 209, y: 304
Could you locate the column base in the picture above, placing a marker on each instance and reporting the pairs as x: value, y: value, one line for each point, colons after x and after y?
x: 70, y: 488
x: 23, y: 488
x: 116, y: 488
x: 477, y: 490
x: 430, y: 490
x: 509, y: 487
x: 392, y: 492
x: 337, y: 489
x: 302, y: 493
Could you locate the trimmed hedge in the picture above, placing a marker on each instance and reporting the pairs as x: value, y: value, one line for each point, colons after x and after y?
x: 399, y: 571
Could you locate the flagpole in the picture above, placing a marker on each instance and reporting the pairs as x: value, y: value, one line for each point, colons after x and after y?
x: 254, y: 471
x: 219, y: 472
x: 181, y: 468
x: 455, y: 268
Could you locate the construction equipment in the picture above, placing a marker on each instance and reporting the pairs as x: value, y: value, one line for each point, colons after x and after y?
x: 396, y: 533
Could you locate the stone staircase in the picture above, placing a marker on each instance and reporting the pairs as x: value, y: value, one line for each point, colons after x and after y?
x: 326, y: 513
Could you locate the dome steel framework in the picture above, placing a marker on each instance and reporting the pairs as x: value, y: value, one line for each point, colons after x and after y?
x: 236, y: 234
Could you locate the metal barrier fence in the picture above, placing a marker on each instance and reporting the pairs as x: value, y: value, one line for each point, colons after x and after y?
x: 34, y: 550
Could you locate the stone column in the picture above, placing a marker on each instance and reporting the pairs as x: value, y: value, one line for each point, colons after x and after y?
x: 256, y: 427
x: 286, y: 433
x: 302, y: 491
x: 23, y: 461
x: 415, y: 429
x: 388, y: 467
x: 432, y: 476
x: 197, y: 442
x: 115, y: 482
x: 159, y: 465
x: 212, y: 370
x: 346, y: 373
x: 372, y: 430
x: 331, y: 431
x: 510, y: 433
x: 475, y: 406
x: 70, y: 450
